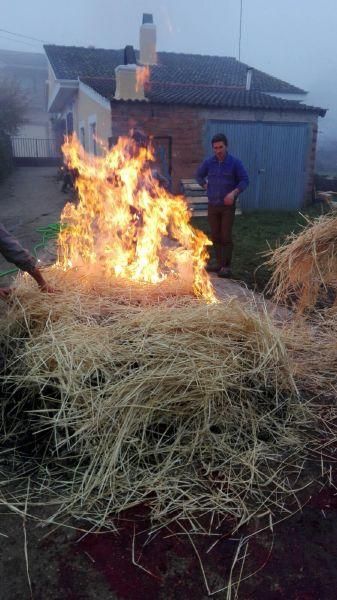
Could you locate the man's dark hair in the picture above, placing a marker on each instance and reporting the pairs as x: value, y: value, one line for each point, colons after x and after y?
x: 219, y: 137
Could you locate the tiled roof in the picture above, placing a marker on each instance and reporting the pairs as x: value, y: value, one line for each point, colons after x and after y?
x: 190, y: 79
x: 203, y: 95
x: 70, y: 62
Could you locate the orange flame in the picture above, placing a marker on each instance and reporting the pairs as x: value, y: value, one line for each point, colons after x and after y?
x: 142, y: 77
x: 126, y: 224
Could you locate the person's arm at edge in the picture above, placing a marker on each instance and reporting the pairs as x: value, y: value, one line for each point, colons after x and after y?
x: 16, y: 254
x: 36, y: 274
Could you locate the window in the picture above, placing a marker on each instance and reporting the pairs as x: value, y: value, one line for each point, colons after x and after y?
x: 92, y: 132
x: 70, y: 123
x: 82, y: 136
x: 93, y: 138
x: 92, y: 135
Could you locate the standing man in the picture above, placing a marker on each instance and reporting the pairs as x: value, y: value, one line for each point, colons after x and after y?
x: 14, y: 253
x: 226, y: 179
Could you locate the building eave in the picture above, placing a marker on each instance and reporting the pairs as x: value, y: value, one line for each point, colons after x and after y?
x: 288, y: 96
x: 95, y: 96
x: 64, y: 90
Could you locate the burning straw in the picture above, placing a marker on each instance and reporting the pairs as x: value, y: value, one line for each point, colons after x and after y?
x: 131, y: 384
x: 305, y: 267
x: 126, y: 224
x: 187, y: 407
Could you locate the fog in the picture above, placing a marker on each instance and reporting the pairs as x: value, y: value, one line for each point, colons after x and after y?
x: 291, y: 39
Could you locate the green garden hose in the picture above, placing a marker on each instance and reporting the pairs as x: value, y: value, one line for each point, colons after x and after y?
x: 47, y: 232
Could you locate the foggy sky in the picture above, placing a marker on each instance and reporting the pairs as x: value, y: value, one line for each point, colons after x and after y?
x: 294, y: 40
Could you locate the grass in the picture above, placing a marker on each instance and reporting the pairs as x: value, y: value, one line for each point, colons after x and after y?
x: 254, y: 234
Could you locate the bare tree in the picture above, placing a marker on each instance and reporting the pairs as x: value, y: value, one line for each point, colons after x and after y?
x: 13, y: 106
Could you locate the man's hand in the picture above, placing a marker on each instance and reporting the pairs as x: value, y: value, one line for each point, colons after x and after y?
x: 43, y: 285
x: 230, y: 198
x: 48, y: 289
x: 5, y: 293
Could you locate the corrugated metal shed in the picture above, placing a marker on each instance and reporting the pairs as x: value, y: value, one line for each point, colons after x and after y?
x: 275, y: 156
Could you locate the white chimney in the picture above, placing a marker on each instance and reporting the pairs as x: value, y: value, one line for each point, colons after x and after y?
x: 127, y: 83
x: 147, y: 41
x: 249, y: 78
x: 129, y: 78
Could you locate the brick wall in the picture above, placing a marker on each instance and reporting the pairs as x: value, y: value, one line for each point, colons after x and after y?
x: 183, y: 124
x: 186, y: 126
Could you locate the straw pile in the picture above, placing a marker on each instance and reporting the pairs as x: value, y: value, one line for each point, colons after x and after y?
x: 112, y: 402
x: 305, y: 267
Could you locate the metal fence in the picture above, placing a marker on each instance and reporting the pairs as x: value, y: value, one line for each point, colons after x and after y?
x: 34, y: 148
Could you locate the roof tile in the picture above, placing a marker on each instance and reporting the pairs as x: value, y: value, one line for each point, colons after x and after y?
x: 215, y: 96
x: 179, y: 78
x: 69, y: 62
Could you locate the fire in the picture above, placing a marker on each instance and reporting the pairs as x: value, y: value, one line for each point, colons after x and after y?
x: 142, y: 77
x: 126, y: 225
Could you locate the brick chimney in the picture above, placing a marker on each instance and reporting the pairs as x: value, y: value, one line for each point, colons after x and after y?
x: 147, y: 41
x: 129, y: 85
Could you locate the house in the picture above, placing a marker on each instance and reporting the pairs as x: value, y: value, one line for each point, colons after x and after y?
x: 182, y: 100
x: 33, y: 143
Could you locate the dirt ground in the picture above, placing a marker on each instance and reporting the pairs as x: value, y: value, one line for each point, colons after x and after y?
x: 30, y: 198
x: 296, y: 561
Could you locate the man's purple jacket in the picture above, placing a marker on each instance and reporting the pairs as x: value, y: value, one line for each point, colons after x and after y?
x: 222, y: 177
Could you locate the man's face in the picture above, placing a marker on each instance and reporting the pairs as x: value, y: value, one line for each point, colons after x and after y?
x: 220, y: 150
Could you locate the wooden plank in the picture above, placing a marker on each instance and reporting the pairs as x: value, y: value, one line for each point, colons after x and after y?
x: 327, y: 193
x: 197, y: 200
x: 199, y: 213
x: 193, y: 186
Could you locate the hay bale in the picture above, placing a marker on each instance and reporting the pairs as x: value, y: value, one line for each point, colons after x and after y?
x: 188, y: 407
x: 305, y: 266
